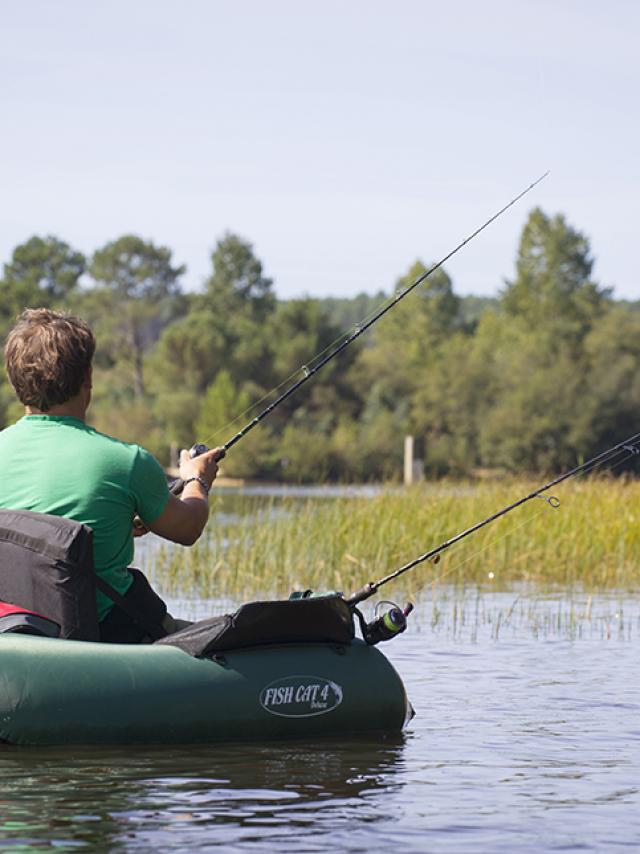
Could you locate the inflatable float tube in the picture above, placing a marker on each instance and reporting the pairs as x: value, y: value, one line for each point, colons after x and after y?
x: 57, y: 692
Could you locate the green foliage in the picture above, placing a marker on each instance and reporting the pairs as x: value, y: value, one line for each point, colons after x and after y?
x: 472, y: 308
x: 305, y: 455
x: 221, y: 405
x: 452, y: 398
x: 405, y: 346
x: 553, y: 285
x: 345, y: 312
x: 46, y: 267
x: 139, y: 291
x: 379, y: 449
x: 189, y: 352
x: 223, y: 330
x: 237, y: 282
x: 536, y: 380
x: 177, y: 410
x: 136, y: 270
x: 42, y: 272
x: 529, y: 426
x: 611, y: 400
x: 299, y: 334
x: 10, y: 407
x: 224, y: 411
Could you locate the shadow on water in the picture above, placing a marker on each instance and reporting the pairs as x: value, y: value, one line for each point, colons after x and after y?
x: 188, y: 798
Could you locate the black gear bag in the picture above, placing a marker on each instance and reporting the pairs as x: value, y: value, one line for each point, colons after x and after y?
x: 321, y: 619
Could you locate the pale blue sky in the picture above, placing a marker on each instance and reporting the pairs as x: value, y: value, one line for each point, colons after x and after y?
x: 343, y: 139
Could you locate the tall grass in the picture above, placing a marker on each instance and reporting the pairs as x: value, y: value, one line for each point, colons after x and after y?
x: 592, y: 541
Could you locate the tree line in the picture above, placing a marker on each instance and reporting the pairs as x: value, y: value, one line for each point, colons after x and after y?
x: 534, y: 380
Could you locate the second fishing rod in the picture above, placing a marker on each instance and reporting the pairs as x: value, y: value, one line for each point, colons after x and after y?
x: 358, y: 330
x: 391, y: 622
x: 620, y: 452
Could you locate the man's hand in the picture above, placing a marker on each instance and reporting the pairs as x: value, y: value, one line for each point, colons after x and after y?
x: 183, y: 519
x: 204, y: 465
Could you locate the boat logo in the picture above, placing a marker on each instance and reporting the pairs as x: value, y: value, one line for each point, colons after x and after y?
x: 300, y: 696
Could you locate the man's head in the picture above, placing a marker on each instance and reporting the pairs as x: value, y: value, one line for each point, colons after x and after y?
x: 48, y: 357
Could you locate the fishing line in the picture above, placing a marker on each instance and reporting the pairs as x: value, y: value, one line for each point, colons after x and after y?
x: 552, y: 501
x: 394, y: 621
x: 526, y: 521
x: 386, y: 303
x: 530, y: 518
x: 226, y: 427
x: 488, y: 545
x: 245, y: 413
x: 256, y: 404
x: 630, y: 452
x: 319, y: 361
x: 628, y: 445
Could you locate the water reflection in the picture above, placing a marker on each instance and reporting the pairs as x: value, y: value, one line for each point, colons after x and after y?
x: 102, y: 799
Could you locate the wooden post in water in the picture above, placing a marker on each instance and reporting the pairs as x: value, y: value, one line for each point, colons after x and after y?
x: 408, y: 460
x: 413, y: 467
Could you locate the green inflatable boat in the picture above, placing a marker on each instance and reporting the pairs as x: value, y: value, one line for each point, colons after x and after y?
x: 288, y: 668
x: 55, y: 692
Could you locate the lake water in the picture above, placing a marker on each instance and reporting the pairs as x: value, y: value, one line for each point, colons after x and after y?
x: 526, y: 737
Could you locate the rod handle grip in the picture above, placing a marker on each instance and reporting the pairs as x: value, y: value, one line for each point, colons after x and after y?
x: 363, y: 593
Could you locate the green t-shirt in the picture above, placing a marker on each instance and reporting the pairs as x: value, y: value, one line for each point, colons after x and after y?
x: 59, y: 465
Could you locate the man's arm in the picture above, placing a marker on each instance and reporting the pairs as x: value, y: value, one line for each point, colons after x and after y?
x: 183, y: 519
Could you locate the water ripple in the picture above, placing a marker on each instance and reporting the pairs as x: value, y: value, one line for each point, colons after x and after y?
x: 519, y: 743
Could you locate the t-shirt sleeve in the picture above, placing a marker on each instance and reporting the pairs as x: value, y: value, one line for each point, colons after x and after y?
x: 149, y: 486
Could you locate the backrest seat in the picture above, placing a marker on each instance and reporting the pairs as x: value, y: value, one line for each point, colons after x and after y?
x: 46, y: 565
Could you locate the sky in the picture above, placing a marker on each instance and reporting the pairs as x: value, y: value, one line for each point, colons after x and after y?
x: 343, y: 139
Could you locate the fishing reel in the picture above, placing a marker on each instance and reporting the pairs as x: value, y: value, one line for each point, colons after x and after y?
x: 384, y: 626
x: 196, y: 450
x: 178, y: 484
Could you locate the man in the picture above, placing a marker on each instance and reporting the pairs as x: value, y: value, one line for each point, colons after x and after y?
x: 51, y: 461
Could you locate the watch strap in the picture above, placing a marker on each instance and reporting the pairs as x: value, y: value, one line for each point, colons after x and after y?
x: 203, y: 483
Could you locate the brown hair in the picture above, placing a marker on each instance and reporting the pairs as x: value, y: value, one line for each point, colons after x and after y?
x: 47, y: 356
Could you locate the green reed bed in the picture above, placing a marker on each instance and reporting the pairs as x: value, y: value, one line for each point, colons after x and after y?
x: 592, y: 541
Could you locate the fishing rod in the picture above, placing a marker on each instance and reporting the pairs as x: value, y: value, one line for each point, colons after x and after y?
x: 358, y: 330
x: 308, y: 372
x: 629, y: 445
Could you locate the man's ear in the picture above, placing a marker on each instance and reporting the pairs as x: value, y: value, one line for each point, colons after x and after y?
x: 88, y: 377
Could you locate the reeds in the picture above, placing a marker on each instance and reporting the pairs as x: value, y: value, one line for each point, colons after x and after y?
x: 591, y: 542
x: 474, y: 614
